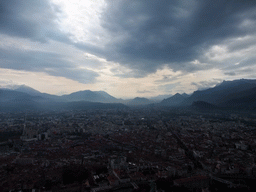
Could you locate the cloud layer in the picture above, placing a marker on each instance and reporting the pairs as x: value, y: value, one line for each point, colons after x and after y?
x: 149, y: 34
x: 32, y: 19
x: 171, y: 44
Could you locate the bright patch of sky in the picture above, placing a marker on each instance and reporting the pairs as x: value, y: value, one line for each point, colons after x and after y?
x: 81, y: 19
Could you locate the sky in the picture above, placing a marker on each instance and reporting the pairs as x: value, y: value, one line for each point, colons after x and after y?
x: 127, y: 48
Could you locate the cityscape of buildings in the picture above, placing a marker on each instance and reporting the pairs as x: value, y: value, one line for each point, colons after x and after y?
x: 127, y: 150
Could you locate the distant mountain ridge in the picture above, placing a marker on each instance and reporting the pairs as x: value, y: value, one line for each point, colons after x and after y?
x: 159, y: 97
x: 86, y: 95
x: 15, y: 101
x: 28, y: 90
x: 137, y: 101
x: 33, y: 92
x: 237, y: 94
x: 7, y: 95
x: 26, y: 98
x: 221, y: 93
x: 174, y: 100
x: 92, y: 96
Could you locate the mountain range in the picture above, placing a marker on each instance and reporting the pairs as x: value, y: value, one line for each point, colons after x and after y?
x: 237, y: 94
x: 26, y: 98
x: 174, y: 100
x: 138, y: 101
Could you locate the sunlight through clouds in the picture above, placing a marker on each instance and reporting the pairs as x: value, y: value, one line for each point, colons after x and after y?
x: 81, y: 19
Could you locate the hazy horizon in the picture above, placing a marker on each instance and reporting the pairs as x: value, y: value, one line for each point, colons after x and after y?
x: 14, y: 87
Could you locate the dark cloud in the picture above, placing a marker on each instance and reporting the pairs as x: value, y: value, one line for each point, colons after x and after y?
x: 245, y: 43
x: 33, y: 19
x: 144, y: 91
x: 148, y: 34
x: 80, y: 75
x: 51, y: 63
x: 167, y: 78
x: 230, y: 73
x: 245, y: 69
x: 245, y: 63
x: 124, y: 74
x: 206, y: 84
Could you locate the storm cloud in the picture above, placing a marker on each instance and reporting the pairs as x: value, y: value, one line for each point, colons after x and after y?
x: 33, y: 19
x: 50, y: 63
x: 148, y: 34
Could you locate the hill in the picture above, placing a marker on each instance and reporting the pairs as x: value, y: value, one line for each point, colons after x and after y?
x: 14, y: 101
x: 33, y: 92
x: 222, y: 93
x: 92, y: 96
x: 175, y: 100
x: 201, y: 105
x: 86, y: 95
x: 242, y: 100
x: 139, y: 101
x: 159, y: 98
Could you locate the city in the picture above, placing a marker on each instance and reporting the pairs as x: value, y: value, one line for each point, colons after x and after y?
x: 112, y: 149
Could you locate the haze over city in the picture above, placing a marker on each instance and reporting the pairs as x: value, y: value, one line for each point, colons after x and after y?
x: 126, y: 48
